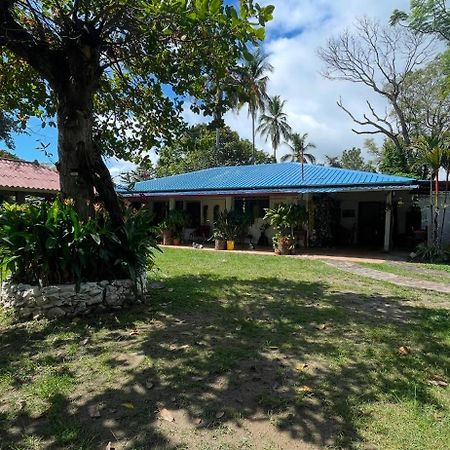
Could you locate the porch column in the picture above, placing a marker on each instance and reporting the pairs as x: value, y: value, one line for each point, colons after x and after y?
x: 228, y: 203
x: 388, y: 223
x: 171, y: 204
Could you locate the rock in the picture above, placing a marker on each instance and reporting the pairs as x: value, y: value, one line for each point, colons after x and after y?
x: 55, y: 312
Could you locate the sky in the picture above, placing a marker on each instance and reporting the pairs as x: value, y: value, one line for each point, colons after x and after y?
x: 299, y: 28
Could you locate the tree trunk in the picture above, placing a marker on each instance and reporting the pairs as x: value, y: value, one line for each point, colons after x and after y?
x: 80, y: 165
x: 74, y: 141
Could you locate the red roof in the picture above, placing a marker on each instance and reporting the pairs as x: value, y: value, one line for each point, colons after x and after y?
x: 29, y: 176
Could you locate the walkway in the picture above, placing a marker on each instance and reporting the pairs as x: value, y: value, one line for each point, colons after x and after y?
x: 399, y: 280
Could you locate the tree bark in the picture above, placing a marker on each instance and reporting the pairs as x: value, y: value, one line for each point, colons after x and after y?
x: 80, y: 165
x: 74, y: 142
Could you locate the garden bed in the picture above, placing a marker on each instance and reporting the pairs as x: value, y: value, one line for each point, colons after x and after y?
x: 29, y: 301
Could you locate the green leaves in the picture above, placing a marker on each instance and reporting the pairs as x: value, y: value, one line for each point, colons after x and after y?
x: 48, y: 244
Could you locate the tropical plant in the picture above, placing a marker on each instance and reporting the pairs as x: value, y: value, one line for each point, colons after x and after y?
x: 231, y: 225
x: 284, y: 219
x: 298, y: 145
x: 431, y: 153
x: 254, y: 82
x: 430, y: 253
x: 175, y: 222
x: 273, y: 123
x: 46, y: 244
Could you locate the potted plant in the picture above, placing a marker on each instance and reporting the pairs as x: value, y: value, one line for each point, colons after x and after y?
x: 284, y: 219
x: 221, y: 230
x: 172, y: 227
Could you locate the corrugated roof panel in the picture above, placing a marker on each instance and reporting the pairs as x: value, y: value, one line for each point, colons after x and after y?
x: 266, y: 176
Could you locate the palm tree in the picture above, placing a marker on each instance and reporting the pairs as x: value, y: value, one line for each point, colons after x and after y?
x: 333, y: 161
x: 254, y: 85
x: 430, y: 149
x: 273, y: 123
x: 298, y: 146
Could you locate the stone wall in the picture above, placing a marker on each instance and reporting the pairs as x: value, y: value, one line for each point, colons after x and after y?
x: 62, y: 300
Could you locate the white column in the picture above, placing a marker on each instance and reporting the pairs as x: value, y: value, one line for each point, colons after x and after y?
x: 228, y: 203
x: 388, y: 223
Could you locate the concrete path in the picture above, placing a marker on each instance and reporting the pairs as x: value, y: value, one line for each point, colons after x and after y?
x: 351, y: 267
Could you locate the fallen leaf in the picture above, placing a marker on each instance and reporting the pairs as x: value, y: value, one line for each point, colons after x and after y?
x: 197, y: 378
x: 322, y: 327
x: 165, y: 415
x: 149, y: 384
x: 403, y: 350
x: 110, y: 446
x: 301, y: 366
x: 305, y: 389
x: 128, y: 405
x: 93, y: 411
x: 85, y: 341
x: 439, y: 381
x: 134, y: 333
x: 198, y: 421
x: 220, y: 414
x: 170, y: 290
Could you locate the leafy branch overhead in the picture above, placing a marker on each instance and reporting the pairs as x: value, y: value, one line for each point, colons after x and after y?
x: 116, y: 74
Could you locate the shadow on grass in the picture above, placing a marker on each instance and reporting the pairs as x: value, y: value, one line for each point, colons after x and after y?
x: 233, y: 351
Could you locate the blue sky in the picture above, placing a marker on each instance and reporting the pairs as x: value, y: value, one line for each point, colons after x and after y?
x: 299, y: 28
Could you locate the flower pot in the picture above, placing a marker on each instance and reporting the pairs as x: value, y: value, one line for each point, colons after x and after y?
x: 176, y: 241
x: 220, y: 245
x: 230, y: 245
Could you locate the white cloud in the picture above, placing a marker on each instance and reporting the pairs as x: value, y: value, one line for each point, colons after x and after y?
x: 299, y: 28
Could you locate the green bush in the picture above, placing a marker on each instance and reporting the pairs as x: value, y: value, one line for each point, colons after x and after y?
x: 47, y: 243
x: 430, y: 253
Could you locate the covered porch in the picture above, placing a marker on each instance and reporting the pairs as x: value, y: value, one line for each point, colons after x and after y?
x: 368, y: 220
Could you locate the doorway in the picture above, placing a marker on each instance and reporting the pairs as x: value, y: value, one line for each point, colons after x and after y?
x: 371, y: 218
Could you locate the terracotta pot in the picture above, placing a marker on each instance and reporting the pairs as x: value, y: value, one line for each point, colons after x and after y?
x: 230, y: 245
x: 220, y: 245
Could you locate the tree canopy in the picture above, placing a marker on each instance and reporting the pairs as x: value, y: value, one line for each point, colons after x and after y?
x: 351, y: 158
x: 196, y: 150
x: 116, y: 73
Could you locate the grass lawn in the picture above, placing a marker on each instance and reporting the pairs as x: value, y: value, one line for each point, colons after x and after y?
x: 243, y: 352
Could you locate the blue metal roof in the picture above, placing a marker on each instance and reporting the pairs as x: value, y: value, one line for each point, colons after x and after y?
x: 268, y: 177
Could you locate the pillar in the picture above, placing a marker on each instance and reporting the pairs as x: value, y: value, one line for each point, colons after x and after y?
x: 388, y: 223
x: 171, y: 204
x: 228, y: 203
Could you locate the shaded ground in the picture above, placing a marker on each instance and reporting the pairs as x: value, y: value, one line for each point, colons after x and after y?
x: 399, y: 274
x: 243, y: 352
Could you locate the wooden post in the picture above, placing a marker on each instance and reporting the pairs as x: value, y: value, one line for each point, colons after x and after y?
x: 388, y: 223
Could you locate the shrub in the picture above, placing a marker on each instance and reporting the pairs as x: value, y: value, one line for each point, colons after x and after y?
x: 430, y: 253
x: 47, y: 243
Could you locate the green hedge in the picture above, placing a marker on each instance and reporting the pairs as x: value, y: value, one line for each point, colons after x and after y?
x: 47, y: 243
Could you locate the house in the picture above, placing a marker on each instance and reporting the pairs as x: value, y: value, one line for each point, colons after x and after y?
x: 345, y: 207
x: 19, y: 179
